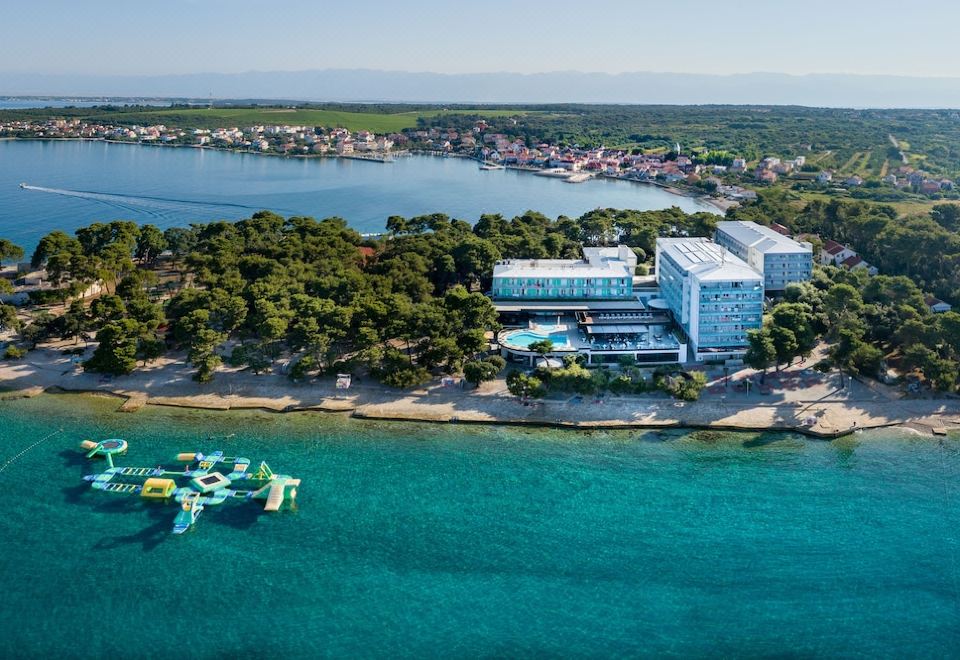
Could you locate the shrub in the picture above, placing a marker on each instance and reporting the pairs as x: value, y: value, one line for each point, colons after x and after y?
x: 824, y: 366
x: 573, y: 377
x: 496, y: 361
x: 621, y: 385
x: 479, y: 371
x: 524, y: 386
x: 14, y: 352
x: 395, y: 370
x: 682, y: 385
x: 302, y: 367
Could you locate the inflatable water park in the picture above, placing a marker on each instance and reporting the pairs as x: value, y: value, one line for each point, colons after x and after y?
x: 196, y: 482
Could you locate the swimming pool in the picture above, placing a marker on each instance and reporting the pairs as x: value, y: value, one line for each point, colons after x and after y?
x: 524, y: 338
x: 550, y: 328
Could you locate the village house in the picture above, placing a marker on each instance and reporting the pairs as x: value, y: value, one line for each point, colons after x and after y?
x: 937, y: 306
x: 833, y: 253
x: 857, y: 263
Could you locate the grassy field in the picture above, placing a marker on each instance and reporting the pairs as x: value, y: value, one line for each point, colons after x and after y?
x: 850, y: 165
x: 226, y: 117
x: 863, y: 168
x: 906, y: 207
x: 816, y: 159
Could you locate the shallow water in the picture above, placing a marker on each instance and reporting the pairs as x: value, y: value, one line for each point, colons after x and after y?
x: 75, y: 183
x: 414, y: 540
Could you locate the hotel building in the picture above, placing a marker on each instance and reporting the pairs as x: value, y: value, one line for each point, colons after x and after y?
x: 780, y: 259
x: 715, y: 297
x: 603, y: 274
x: 595, y: 307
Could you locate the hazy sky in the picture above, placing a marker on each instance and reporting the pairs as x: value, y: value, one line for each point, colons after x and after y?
x: 454, y: 36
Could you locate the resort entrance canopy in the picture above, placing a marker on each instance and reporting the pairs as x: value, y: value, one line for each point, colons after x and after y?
x: 616, y: 329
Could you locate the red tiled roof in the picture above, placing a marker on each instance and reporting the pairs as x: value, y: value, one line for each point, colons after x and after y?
x: 832, y: 247
x: 850, y: 262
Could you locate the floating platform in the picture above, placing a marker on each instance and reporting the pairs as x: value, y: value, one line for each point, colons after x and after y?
x: 105, y: 448
x: 196, y: 482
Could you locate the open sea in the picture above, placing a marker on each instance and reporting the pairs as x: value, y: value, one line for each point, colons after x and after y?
x: 73, y: 183
x: 465, y: 541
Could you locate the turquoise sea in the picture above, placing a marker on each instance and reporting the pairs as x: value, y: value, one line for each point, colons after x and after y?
x: 72, y: 184
x: 463, y: 541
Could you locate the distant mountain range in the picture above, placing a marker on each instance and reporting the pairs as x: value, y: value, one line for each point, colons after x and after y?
x: 828, y: 90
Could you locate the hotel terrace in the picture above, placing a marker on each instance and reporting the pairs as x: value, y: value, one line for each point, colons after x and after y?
x: 593, y: 306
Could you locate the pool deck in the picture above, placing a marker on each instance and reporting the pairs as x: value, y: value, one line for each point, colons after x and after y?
x: 575, y: 341
x: 570, y: 333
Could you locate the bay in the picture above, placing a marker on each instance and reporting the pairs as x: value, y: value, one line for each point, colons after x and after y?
x: 27, y: 103
x: 461, y: 541
x: 74, y: 183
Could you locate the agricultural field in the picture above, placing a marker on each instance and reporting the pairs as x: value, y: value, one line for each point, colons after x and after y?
x: 375, y: 118
x: 913, y: 206
x: 376, y: 122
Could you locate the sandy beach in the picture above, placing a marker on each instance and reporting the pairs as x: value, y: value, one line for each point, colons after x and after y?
x: 799, y: 400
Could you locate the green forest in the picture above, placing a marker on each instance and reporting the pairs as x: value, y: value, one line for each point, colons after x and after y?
x: 312, y: 293
x: 318, y: 298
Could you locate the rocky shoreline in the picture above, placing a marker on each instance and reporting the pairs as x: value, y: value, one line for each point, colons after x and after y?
x: 824, y: 411
x: 538, y: 416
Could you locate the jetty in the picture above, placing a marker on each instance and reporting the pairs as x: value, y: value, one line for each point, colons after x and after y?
x: 195, y: 482
x: 555, y: 172
x: 373, y: 157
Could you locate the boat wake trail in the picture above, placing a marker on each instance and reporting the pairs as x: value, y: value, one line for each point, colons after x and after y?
x: 154, y: 206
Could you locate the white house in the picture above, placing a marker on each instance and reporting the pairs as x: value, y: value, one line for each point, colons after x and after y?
x: 834, y: 254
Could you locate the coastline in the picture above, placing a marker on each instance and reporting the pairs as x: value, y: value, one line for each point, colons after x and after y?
x: 720, y: 204
x: 168, y: 383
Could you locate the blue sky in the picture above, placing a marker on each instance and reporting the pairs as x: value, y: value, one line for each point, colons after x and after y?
x: 451, y: 36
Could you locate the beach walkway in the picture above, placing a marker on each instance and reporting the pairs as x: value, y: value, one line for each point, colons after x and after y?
x: 796, y: 398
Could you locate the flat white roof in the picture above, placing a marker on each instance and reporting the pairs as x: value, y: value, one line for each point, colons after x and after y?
x: 603, y: 252
x: 706, y: 260
x: 560, y: 268
x: 761, y: 238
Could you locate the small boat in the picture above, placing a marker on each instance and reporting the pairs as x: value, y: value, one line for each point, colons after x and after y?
x: 23, y: 185
x: 491, y: 166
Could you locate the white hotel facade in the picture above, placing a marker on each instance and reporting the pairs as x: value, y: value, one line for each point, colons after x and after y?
x: 780, y: 259
x: 699, y: 306
x: 714, y: 296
